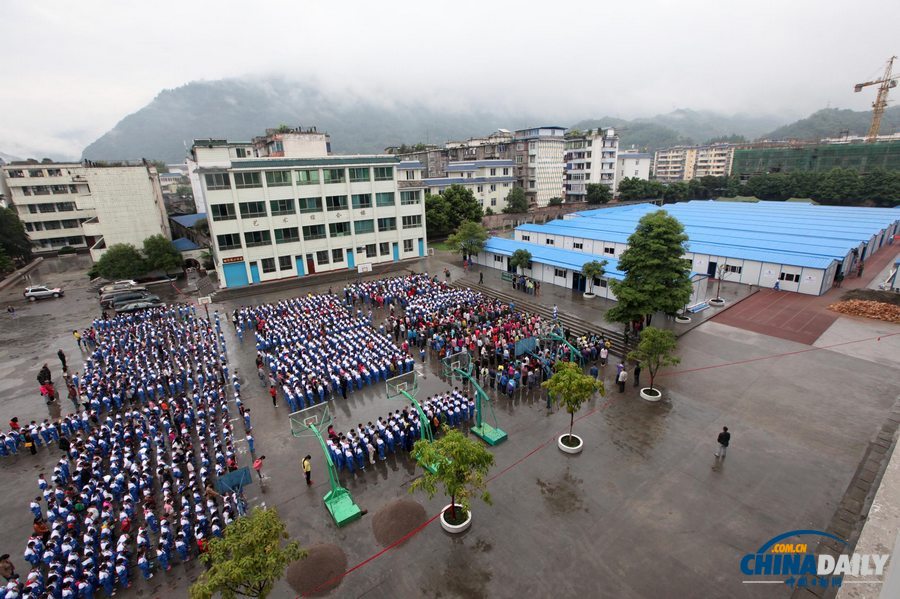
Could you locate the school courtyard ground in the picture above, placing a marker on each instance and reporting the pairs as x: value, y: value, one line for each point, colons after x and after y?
x: 644, y: 512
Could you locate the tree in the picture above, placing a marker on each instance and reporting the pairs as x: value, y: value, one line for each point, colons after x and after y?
x: 655, y: 350
x: 161, y: 254
x: 838, y: 186
x: 882, y: 187
x: 520, y: 259
x: 775, y: 186
x: 160, y: 166
x: 13, y: 238
x: 657, y: 277
x: 6, y: 264
x: 184, y: 190
x: 121, y: 261
x: 595, y: 269
x: 631, y: 188
x: 516, y: 202
x: 437, y: 216
x: 675, y: 192
x: 248, y: 559
x: 555, y: 201
x: 570, y: 387
x: 460, y: 465
x: 446, y: 211
x: 597, y: 193
x: 469, y: 239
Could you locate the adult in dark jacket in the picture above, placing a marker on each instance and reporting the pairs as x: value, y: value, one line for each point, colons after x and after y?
x: 723, y: 439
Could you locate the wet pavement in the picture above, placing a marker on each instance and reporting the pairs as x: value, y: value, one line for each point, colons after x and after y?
x: 644, y: 511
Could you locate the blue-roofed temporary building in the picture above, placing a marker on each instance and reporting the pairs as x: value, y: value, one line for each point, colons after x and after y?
x: 189, y: 220
x: 183, y: 244
x: 802, y: 246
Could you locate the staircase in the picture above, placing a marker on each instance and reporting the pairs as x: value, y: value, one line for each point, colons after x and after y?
x: 575, y: 327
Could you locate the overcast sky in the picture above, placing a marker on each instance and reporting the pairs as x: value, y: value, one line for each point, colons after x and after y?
x: 74, y: 69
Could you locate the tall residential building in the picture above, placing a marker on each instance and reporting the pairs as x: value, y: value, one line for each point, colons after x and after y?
x: 683, y: 163
x: 496, y: 146
x: 540, y: 165
x: 489, y: 180
x: 590, y: 158
x: 277, y: 217
x: 633, y: 165
x: 434, y: 161
x: 85, y: 205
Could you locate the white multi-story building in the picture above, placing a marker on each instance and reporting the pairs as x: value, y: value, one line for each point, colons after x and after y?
x: 633, y: 165
x: 84, y: 205
x: 489, y: 180
x: 683, y: 163
x: 540, y: 167
x: 590, y: 158
x: 277, y: 217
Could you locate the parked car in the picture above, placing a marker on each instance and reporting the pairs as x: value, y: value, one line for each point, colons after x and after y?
x: 118, y: 286
x: 137, y: 306
x: 36, y: 292
x: 135, y: 293
x: 126, y: 299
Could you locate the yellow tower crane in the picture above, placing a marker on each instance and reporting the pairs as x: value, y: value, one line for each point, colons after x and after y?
x: 880, y: 103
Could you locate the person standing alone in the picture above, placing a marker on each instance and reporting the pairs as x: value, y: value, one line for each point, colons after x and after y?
x: 723, y: 439
x: 622, y: 379
x: 62, y: 359
x: 307, y: 469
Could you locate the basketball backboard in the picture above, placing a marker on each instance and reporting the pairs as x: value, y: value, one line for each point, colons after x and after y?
x: 407, y: 381
x: 317, y: 415
x: 453, y: 364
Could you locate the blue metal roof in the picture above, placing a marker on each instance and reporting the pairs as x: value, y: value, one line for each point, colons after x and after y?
x: 189, y: 220
x: 448, y: 181
x: 183, y: 244
x: 410, y: 165
x: 551, y: 256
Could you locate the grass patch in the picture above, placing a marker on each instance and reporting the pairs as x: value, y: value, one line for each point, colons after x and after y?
x: 441, y: 246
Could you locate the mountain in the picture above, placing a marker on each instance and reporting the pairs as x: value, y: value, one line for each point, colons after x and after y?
x: 238, y: 109
x: 832, y: 122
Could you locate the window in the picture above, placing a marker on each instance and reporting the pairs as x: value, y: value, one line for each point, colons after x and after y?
x: 498, y: 258
x: 732, y: 268
x: 519, y: 159
x: 480, y: 188
x: 71, y: 223
x: 334, y: 175
x: 287, y: 235
x: 229, y: 241
x: 247, y: 180
x: 610, y: 251
x: 252, y: 209
x: 361, y: 200
x: 387, y: 224
x: 278, y: 178
x: 281, y: 207
x: 240, y: 152
x: 408, y: 198
x: 577, y: 246
x: 285, y: 263
x: 526, y: 237
x: 268, y: 264
x: 362, y: 227
x: 307, y: 205
x: 559, y: 272
x: 384, y: 173
x: 493, y: 201
x: 36, y: 173
x: 339, y: 229
x: 371, y: 251
x: 493, y: 187
x: 311, y: 232
x: 531, y: 184
x: 310, y: 177
x: 506, y: 171
x: 549, y: 241
x: 333, y: 203
x: 52, y: 225
x: 600, y: 282
x: 65, y: 206
x: 411, y: 222
x: 358, y: 175
x: 337, y: 255
x: 410, y: 175
x: 257, y: 238
x: 520, y: 146
x: 384, y: 199
x: 56, y: 189
x: 788, y: 277
x: 215, y: 181
x: 322, y: 256
x: 493, y: 172
x: 384, y: 248
x: 45, y: 208
x: 33, y: 208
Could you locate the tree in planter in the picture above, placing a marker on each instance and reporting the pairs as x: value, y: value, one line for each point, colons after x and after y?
x: 469, y: 239
x: 570, y: 387
x: 520, y: 259
x: 655, y: 349
x: 460, y: 465
x: 720, y: 273
x: 516, y: 202
x: 248, y: 559
x: 161, y: 254
x: 121, y: 261
x: 657, y: 277
x: 593, y: 269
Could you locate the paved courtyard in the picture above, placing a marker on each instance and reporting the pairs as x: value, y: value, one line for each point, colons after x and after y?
x: 644, y: 511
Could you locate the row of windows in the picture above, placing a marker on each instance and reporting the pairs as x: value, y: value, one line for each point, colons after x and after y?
x: 46, y: 208
x: 230, y: 241
x: 244, y: 180
x: 325, y: 257
x: 257, y: 209
x: 53, y: 225
x: 44, y: 190
x: 17, y: 174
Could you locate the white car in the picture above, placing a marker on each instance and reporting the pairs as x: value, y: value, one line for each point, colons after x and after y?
x: 36, y: 292
x: 118, y: 286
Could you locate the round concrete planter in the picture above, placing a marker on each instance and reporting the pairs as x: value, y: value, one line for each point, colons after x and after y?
x: 651, y: 394
x: 682, y: 319
x: 566, y: 449
x: 455, y: 528
x: 717, y: 302
x: 588, y: 295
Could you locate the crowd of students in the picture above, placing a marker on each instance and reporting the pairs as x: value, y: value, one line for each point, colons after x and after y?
x: 135, y: 478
